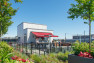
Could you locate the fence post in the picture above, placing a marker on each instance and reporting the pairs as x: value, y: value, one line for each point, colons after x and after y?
x: 67, y: 48
x: 59, y: 47
x: 50, y: 47
x: 44, y: 48
x: 31, y: 48
x: 16, y: 46
x: 64, y: 50
x: 26, y: 48
x: 39, y: 49
x: 22, y: 47
x: 54, y: 46
x: 19, y: 47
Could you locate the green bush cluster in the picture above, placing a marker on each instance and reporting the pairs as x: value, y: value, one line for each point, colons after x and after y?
x: 36, y: 58
x: 78, y: 47
x: 92, y: 48
x: 4, y: 47
x: 83, y: 47
x: 15, y: 61
x: 11, y: 61
x: 5, y: 51
x: 51, y: 58
x: 63, y: 56
x: 19, y: 54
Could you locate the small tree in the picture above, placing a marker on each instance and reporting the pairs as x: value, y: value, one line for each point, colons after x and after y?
x: 6, y: 13
x: 85, y: 10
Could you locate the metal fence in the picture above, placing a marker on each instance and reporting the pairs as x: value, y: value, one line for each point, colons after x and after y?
x: 40, y: 48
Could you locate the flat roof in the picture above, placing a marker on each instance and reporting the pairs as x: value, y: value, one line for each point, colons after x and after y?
x: 39, y: 29
x: 32, y: 23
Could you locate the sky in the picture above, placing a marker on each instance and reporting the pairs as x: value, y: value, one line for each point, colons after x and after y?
x: 52, y: 13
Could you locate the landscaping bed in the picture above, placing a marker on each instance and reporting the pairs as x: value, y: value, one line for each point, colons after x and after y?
x: 82, y: 53
x: 51, y: 58
x: 9, y: 55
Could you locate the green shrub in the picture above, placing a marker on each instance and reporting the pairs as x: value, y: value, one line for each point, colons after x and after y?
x: 15, y: 61
x: 53, y: 55
x: 5, y: 51
x: 63, y: 56
x: 51, y: 58
x: 77, y: 47
x: 83, y: 47
x: 4, y: 47
x: 19, y: 54
x: 36, y: 58
x: 92, y: 49
x: 9, y: 61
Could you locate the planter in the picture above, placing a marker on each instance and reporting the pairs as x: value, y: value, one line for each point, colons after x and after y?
x: 77, y: 59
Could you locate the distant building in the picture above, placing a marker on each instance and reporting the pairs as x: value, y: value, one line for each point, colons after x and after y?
x: 86, y: 37
x: 81, y: 38
x: 10, y: 39
x: 31, y: 32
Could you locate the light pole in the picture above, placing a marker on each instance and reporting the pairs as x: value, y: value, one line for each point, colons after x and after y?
x: 65, y: 37
x: 80, y: 39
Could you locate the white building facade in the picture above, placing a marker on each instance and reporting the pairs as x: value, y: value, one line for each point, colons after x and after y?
x: 26, y: 35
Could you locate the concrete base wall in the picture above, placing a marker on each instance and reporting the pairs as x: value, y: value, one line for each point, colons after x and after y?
x: 77, y: 59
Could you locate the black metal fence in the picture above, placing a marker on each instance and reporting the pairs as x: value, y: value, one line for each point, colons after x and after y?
x: 40, y: 48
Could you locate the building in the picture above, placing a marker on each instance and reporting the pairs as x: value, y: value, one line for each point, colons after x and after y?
x: 80, y: 38
x: 31, y: 32
x: 10, y: 39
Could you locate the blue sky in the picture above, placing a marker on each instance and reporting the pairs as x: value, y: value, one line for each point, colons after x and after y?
x: 52, y: 13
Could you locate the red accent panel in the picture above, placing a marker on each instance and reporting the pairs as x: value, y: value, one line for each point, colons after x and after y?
x: 43, y: 34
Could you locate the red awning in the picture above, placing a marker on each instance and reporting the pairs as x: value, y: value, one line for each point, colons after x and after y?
x: 43, y: 34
